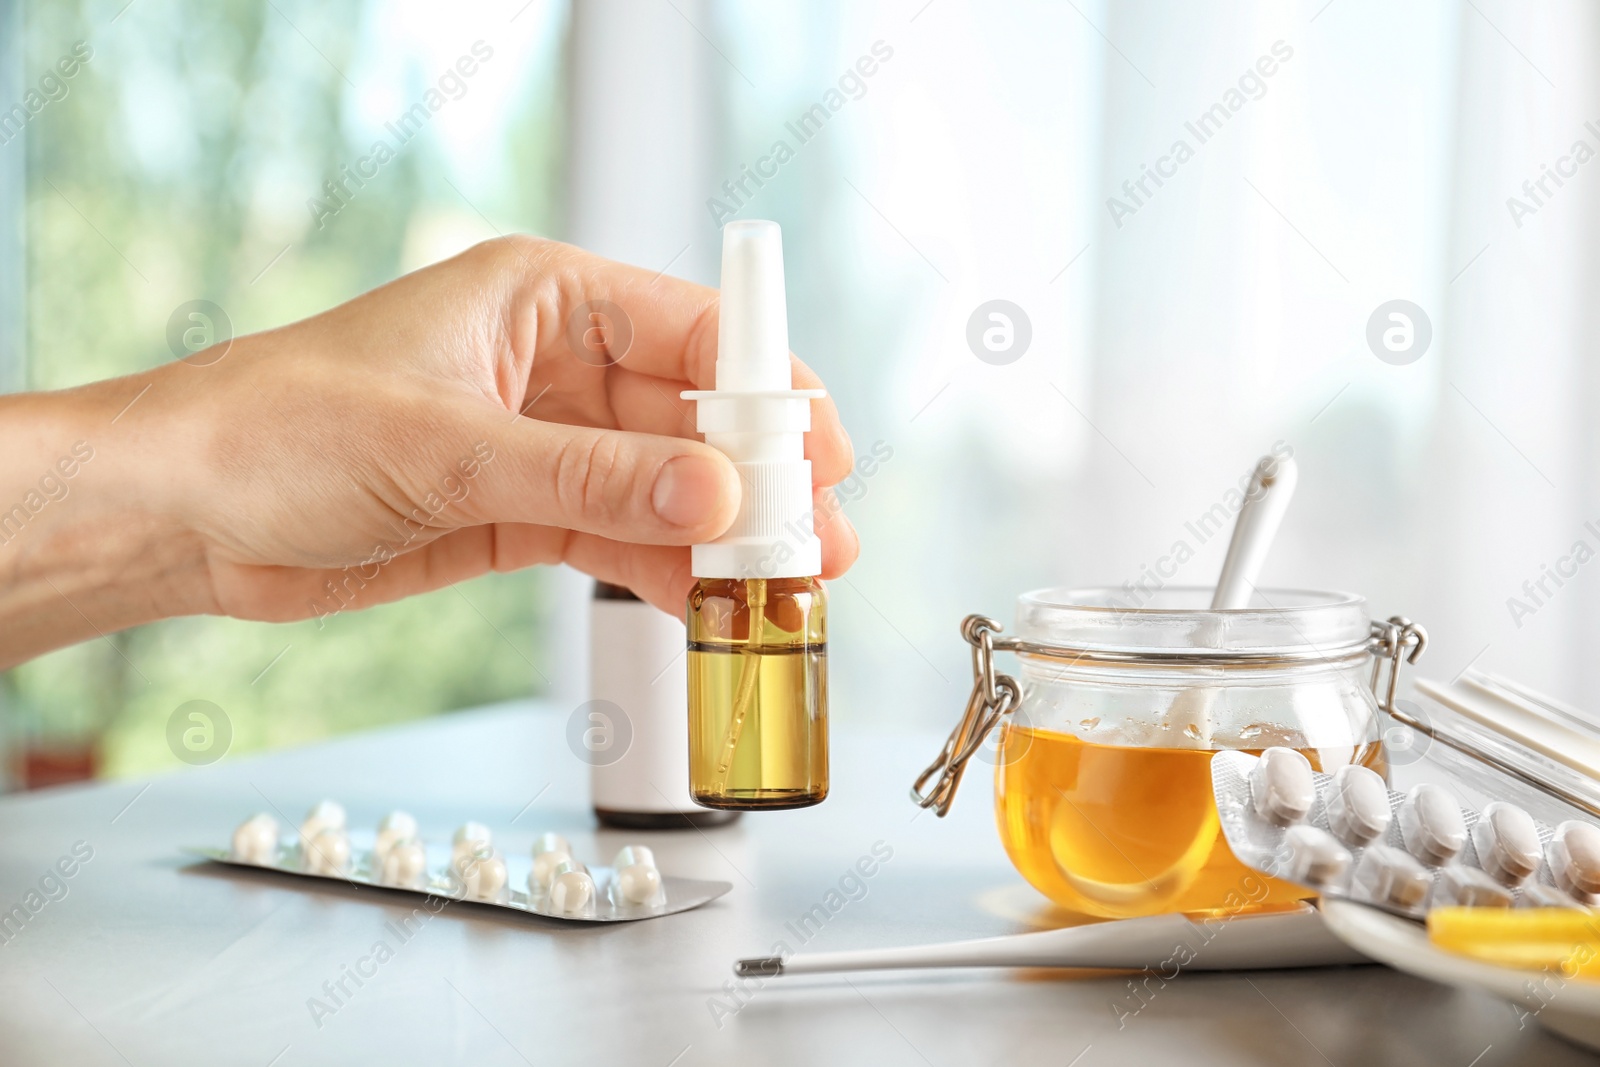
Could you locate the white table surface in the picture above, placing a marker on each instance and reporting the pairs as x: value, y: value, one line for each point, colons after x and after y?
x: 154, y: 958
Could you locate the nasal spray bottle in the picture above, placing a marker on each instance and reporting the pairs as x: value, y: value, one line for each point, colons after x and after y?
x: 757, y: 619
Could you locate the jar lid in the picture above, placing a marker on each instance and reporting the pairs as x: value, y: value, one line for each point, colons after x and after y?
x: 1178, y: 620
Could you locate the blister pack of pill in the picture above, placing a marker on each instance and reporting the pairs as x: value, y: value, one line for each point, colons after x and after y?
x: 1348, y: 835
x: 548, y: 881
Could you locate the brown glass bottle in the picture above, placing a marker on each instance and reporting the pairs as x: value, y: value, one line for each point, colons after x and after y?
x: 758, y: 693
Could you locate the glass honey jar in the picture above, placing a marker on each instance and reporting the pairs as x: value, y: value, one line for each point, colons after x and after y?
x: 1103, y: 761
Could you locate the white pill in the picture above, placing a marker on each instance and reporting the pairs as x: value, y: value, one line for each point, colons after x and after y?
x: 471, y: 831
x: 396, y: 826
x: 470, y: 838
x: 548, y: 852
x: 571, y: 889
x: 1539, y: 895
x: 1389, y: 876
x: 405, y: 865
x: 1314, y: 857
x: 1469, y: 887
x: 1507, y: 842
x: 639, y: 883
x: 628, y: 855
x: 1358, y: 805
x: 638, y: 880
x: 324, y: 815
x: 1281, y: 786
x: 1431, y: 825
x: 327, y: 853
x: 1575, y: 860
x: 484, y: 875
x: 256, y: 840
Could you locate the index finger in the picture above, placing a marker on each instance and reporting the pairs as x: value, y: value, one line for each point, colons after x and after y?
x: 671, y: 328
x: 670, y: 325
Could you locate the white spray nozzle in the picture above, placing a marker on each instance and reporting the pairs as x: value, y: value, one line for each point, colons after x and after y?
x: 757, y: 419
x: 753, y: 331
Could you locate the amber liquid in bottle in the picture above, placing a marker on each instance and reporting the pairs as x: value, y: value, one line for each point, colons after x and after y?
x: 758, y: 693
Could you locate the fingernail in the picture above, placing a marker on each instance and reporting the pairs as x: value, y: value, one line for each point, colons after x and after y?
x: 687, y: 491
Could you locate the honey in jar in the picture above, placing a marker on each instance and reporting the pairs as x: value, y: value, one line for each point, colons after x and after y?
x: 1121, y: 830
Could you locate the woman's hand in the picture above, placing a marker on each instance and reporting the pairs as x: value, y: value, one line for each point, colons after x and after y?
x: 429, y: 431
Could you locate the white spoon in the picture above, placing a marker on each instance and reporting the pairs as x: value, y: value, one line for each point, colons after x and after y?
x: 1271, y: 488
x: 1265, y: 501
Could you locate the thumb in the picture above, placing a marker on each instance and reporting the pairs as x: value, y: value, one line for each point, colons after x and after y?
x: 634, y: 487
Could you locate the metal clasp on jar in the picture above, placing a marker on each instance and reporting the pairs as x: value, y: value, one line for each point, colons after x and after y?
x: 994, y: 696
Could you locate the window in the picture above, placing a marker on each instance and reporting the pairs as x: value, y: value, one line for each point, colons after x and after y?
x: 938, y: 157
x: 188, y: 158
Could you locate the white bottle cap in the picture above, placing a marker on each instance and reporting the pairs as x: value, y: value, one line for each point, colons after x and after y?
x: 757, y: 419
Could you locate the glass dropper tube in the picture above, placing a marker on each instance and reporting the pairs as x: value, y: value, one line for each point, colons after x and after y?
x: 749, y: 672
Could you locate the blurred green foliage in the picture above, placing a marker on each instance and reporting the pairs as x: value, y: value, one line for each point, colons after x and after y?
x: 177, y: 167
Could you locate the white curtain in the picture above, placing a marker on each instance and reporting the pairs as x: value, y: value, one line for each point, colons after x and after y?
x: 1369, y: 158
x: 1510, y: 474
